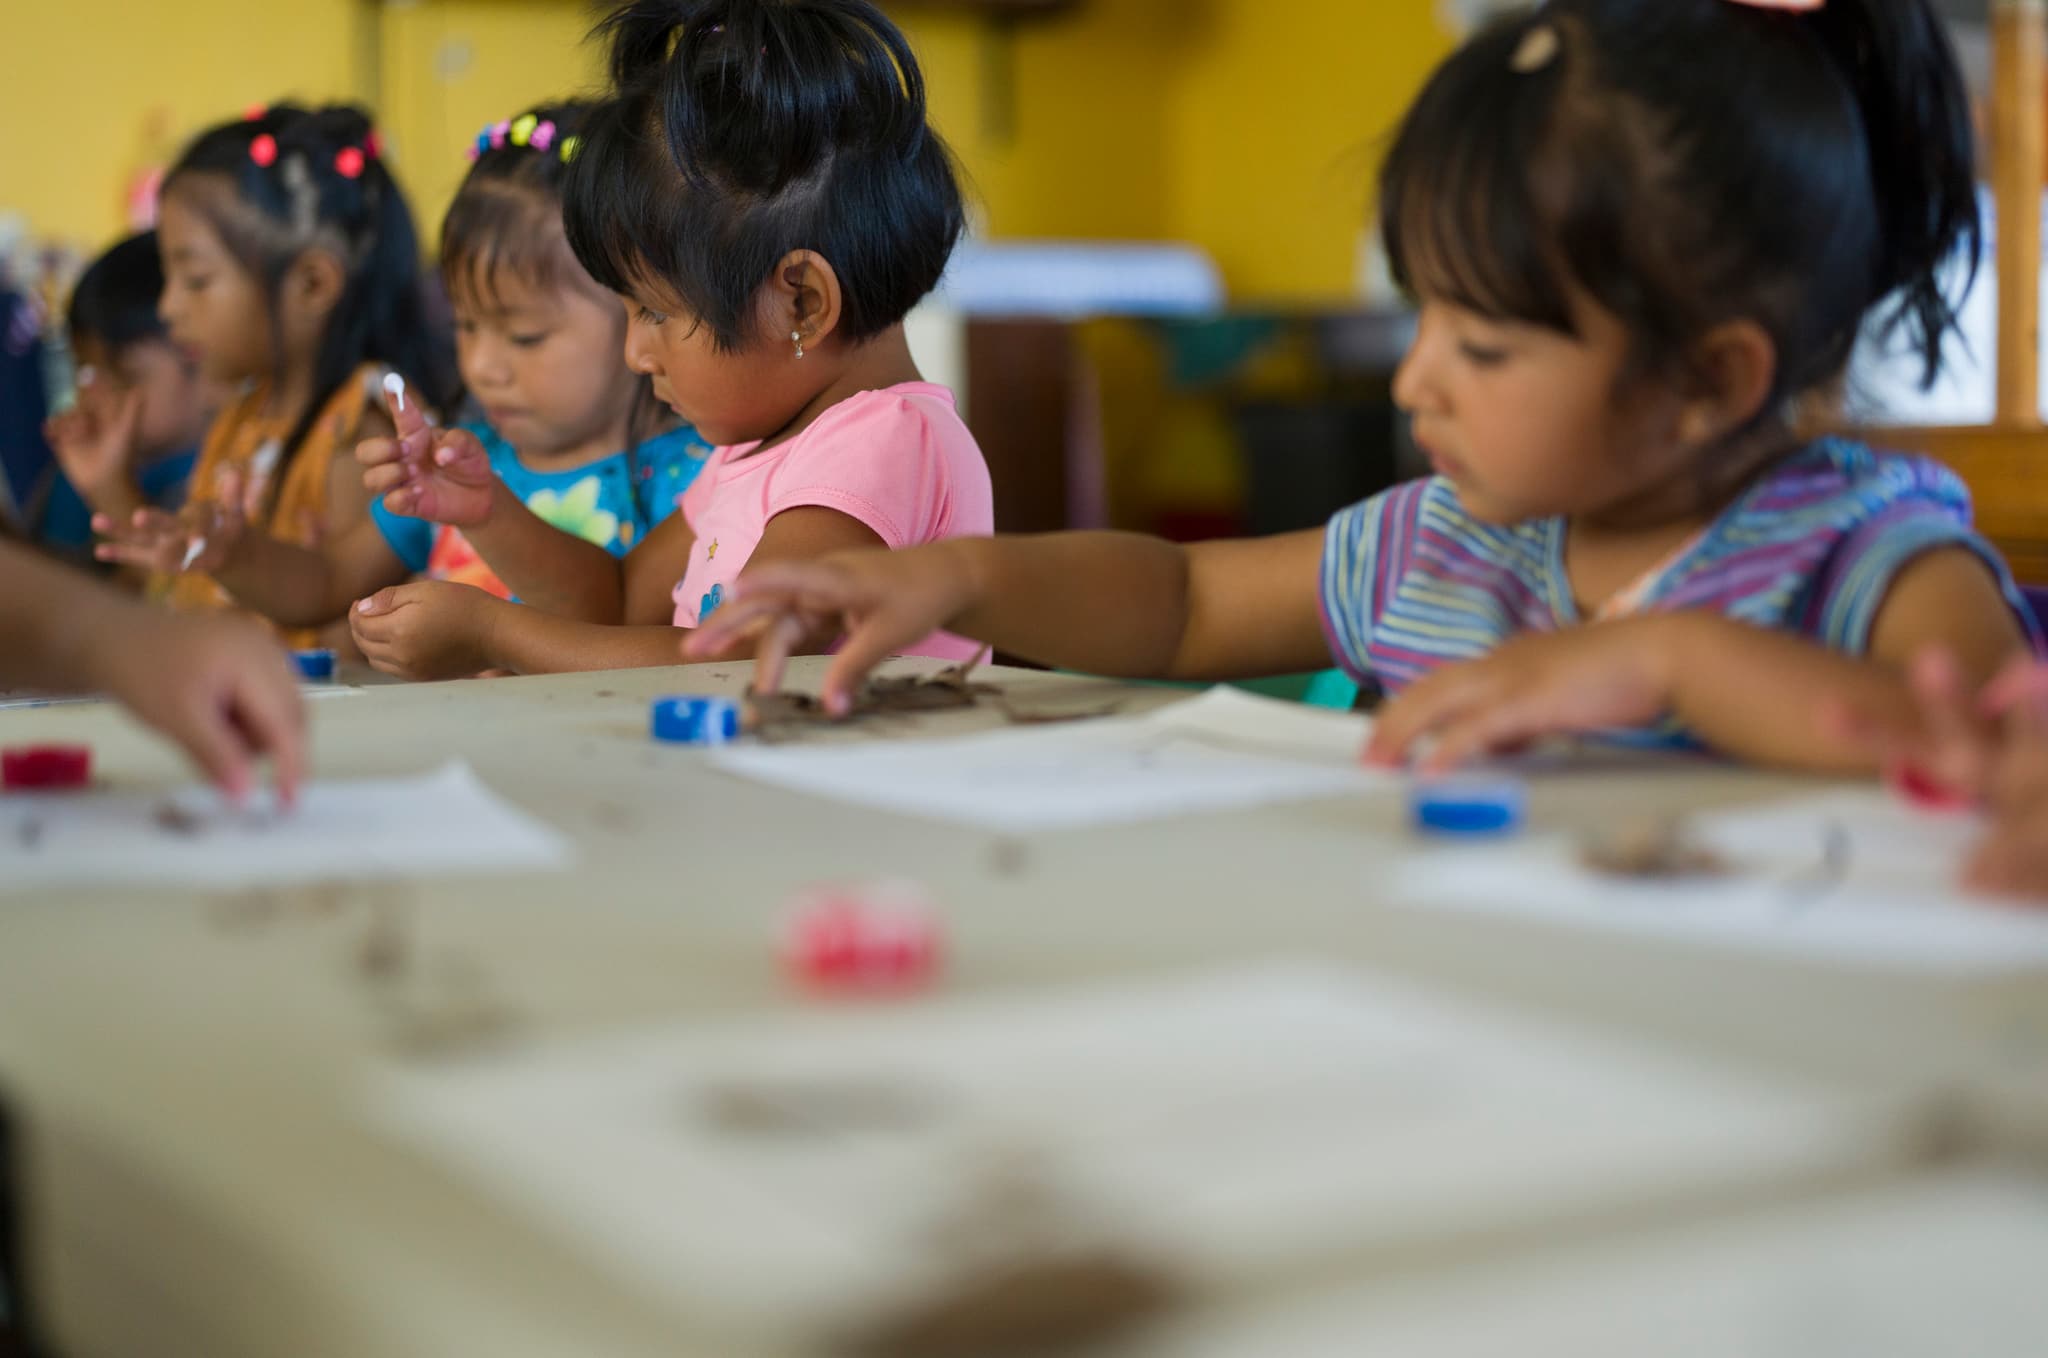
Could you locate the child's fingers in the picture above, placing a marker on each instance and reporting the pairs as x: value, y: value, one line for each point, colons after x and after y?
x: 2023, y: 683
x: 378, y: 452
x: 386, y: 479
x: 1956, y: 744
x: 270, y: 712
x: 778, y: 639
x: 379, y: 605
x: 1422, y: 709
x: 459, y: 449
x: 1485, y: 731
x: 738, y: 616
x: 118, y: 553
x: 127, y: 415
x: 406, y: 416
x: 204, y: 728
x: 404, y: 501
x: 864, y: 647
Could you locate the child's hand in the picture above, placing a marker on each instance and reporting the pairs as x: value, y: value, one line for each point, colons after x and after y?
x: 218, y: 686
x: 202, y: 537
x: 95, y: 440
x: 1960, y: 742
x: 429, y: 629
x: 1597, y: 677
x: 442, y: 475
x: 882, y: 601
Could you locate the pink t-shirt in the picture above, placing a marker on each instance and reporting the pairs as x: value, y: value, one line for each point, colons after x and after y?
x: 899, y: 460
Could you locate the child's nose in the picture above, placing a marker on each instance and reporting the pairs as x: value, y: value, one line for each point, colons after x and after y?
x: 640, y: 354
x: 1415, y: 386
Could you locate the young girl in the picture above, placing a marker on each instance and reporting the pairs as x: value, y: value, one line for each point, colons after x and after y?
x: 1640, y: 235
x: 538, y: 344
x: 291, y: 268
x: 132, y: 438
x: 765, y: 196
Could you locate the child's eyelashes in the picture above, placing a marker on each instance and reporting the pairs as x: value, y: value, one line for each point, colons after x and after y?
x: 533, y: 341
x: 652, y: 317
x: 1482, y: 355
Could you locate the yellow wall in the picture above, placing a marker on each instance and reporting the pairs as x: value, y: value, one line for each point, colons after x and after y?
x: 1246, y: 126
x: 1278, y: 113
x: 1250, y: 127
x: 82, y: 80
x: 451, y: 67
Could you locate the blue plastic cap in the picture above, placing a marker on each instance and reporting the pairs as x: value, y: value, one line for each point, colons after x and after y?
x: 696, y: 721
x: 1469, y: 806
x: 314, y: 664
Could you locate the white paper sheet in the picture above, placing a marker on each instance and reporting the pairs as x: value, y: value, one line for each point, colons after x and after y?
x: 1894, y: 903
x: 1225, y: 750
x: 441, y: 822
x: 1232, y: 1128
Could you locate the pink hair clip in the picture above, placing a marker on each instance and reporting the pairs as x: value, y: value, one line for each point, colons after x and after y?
x: 254, y: 113
x: 499, y: 131
x: 543, y: 136
x: 263, y: 150
x: 348, y: 162
x: 373, y: 145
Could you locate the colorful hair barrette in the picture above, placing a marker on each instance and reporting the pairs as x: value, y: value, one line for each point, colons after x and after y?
x: 348, y: 162
x: 529, y: 130
x: 263, y: 150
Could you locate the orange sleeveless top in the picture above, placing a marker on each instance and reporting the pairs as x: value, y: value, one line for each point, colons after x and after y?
x: 244, y: 439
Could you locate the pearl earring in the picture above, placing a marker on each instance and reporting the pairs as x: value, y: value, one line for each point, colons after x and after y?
x: 796, y: 337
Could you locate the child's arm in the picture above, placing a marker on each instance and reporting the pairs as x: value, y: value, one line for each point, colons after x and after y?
x: 446, y: 476
x: 1108, y: 603
x: 95, y: 446
x: 432, y: 631
x: 1762, y: 696
x: 306, y: 586
x: 292, y: 585
x: 216, y: 686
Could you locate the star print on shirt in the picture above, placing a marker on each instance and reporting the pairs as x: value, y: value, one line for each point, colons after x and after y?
x: 711, y: 552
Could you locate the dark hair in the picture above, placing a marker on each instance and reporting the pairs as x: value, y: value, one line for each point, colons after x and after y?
x: 1689, y: 162
x: 115, y: 301
x: 507, y: 216
x: 745, y: 129
x: 298, y: 195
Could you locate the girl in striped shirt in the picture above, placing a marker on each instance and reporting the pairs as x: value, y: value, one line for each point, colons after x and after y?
x: 1643, y: 238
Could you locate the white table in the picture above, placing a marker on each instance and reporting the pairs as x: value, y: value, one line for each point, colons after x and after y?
x: 200, y: 1178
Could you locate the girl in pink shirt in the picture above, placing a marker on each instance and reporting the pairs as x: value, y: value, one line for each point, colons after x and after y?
x: 765, y: 196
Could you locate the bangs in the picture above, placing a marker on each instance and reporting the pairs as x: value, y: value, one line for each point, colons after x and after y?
x: 1460, y: 209
x: 621, y: 194
x: 497, y: 230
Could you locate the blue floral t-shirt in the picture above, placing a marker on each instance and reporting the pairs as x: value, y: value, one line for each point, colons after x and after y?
x: 612, y: 502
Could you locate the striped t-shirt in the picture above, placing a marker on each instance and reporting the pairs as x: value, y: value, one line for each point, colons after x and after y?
x: 1412, y: 582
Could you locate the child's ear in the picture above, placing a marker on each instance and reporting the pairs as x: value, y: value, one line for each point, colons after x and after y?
x: 315, y: 281
x: 808, y: 301
x: 1734, y: 368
